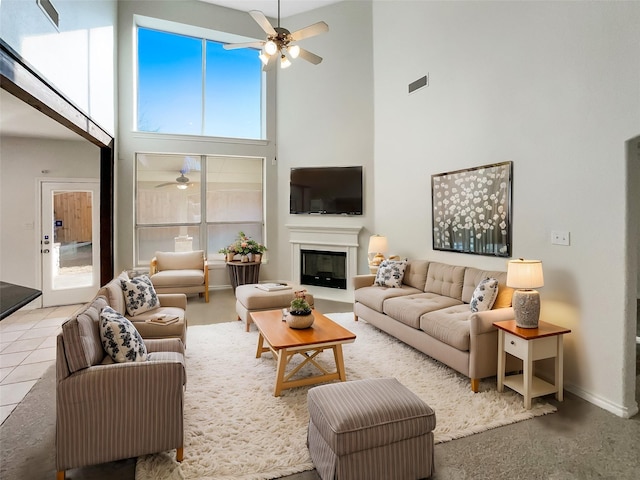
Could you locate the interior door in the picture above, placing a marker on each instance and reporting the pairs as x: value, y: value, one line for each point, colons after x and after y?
x: 70, y: 242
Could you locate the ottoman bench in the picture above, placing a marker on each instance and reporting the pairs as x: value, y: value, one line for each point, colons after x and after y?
x: 250, y: 298
x: 370, y: 429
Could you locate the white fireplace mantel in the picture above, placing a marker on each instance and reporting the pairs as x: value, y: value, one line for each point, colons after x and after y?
x: 330, y: 239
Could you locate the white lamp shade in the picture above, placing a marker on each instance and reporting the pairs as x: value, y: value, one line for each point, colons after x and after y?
x: 378, y: 244
x: 270, y: 47
x: 525, y: 274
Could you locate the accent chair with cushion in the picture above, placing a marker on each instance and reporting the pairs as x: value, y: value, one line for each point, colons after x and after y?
x: 110, y: 408
x: 180, y: 272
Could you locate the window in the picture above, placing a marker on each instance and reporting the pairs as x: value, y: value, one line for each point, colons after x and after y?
x: 192, y: 86
x: 170, y: 213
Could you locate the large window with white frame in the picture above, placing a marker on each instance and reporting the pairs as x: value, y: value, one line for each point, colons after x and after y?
x: 171, y: 214
x: 191, y: 86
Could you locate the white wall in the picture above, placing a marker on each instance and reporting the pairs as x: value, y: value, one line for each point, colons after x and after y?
x: 325, y: 115
x: 78, y: 58
x: 553, y: 87
x: 22, y: 161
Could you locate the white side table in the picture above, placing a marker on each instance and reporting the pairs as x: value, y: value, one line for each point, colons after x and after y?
x: 529, y: 345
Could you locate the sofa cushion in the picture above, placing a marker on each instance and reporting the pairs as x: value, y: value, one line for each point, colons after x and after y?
x: 409, y: 308
x: 178, y: 278
x: 374, y: 297
x: 473, y: 276
x: 449, y: 325
x: 81, y: 335
x: 444, y: 279
x: 180, y: 260
x: 484, y: 296
x: 139, y: 295
x: 120, y: 338
x: 390, y: 273
x: 113, y: 293
x: 415, y: 275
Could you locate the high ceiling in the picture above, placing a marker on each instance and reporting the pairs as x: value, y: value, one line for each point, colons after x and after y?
x: 270, y: 7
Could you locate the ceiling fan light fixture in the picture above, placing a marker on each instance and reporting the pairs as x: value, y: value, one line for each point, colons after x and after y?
x: 264, y: 58
x: 284, y: 62
x: 182, y: 186
x: 294, y: 51
x: 270, y: 47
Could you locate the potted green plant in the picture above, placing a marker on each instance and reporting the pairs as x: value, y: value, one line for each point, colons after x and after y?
x: 300, y: 313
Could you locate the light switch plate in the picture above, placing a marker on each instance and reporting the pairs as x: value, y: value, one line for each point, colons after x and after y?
x: 559, y: 237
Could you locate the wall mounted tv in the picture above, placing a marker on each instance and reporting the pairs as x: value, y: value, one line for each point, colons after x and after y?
x: 326, y: 190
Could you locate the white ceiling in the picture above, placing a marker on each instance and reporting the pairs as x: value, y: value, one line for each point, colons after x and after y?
x: 270, y: 7
x: 19, y: 119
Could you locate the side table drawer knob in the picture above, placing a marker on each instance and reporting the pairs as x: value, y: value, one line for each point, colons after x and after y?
x: 512, y: 342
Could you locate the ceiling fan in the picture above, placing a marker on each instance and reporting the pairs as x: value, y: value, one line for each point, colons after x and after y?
x: 280, y: 43
x: 181, y: 182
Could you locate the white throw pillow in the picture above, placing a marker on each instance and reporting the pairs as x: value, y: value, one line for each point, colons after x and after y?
x: 484, y: 295
x: 390, y: 273
x: 139, y: 295
x: 120, y: 339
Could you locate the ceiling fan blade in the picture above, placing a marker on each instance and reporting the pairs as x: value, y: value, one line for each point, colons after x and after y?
x: 165, y: 184
x: 270, y: 63
x: 310, y: 31
x: 233, y: 46
x: 261, y: 20
x: 309, y: 57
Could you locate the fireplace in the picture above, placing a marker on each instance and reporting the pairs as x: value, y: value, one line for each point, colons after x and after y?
x: 323, y: 268
x: 328, y: 240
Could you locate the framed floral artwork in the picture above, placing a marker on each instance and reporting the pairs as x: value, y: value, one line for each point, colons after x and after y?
x: 472, y: 210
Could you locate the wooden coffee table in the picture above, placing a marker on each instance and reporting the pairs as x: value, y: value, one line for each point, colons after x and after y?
x: 284, y: 343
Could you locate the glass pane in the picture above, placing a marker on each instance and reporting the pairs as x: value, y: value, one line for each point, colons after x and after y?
x: 165, y: 239
x: 169, y: 83
x: 168, y: 189
x: 222, y: 235
x: 72, y: 240
x: 233, y: 98
x: 234, y: 189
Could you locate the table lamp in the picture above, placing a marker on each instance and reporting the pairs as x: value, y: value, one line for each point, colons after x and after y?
x: 378, y: 246
x: 524, y: 276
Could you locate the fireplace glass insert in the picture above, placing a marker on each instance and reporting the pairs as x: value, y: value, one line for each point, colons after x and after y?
x: 323, y: 269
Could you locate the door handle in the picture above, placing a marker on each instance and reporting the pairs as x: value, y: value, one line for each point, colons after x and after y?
x: 46, y: 250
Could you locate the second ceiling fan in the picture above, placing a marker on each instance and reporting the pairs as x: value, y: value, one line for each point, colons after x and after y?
x: 280, y: 43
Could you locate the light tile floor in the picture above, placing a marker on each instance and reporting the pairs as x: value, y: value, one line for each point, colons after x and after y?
x: 27, y: 349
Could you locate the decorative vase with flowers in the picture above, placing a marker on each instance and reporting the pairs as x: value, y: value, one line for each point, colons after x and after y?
x: 300, y: 314
x: 244, y: 246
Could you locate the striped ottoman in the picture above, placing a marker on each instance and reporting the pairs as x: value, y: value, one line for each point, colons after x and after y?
x: 370, y: 429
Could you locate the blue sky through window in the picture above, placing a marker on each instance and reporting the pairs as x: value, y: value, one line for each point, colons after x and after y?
x: 170, y: 94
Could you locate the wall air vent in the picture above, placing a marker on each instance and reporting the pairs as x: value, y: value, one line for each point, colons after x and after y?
x: 50, y: 11
x: 418, y: 84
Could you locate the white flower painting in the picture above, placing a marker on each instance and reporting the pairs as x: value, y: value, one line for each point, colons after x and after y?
x: 472, y: 210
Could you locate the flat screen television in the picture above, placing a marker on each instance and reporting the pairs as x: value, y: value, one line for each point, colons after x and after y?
x: 326, y: 190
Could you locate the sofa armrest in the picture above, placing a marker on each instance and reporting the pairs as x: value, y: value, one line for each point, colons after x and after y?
x: 164, y: 345
x: 360, y: 281
x: 482, y: 322
x: 178, y: 300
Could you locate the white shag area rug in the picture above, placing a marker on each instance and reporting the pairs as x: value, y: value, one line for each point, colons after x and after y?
x: 236, y: 429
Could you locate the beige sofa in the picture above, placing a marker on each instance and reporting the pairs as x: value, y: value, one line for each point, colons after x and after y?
x: 171, y: 304
x: 109, y: 411
x: 431, y: 312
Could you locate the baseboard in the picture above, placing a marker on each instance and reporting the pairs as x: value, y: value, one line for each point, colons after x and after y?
x: 619, y: 410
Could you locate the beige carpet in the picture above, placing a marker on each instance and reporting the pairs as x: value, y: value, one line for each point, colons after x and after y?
x: 236, y: 429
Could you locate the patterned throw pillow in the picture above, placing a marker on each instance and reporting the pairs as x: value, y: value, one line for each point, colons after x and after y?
x: 390, y: 273
x: 484, y: 295
x: 139, y: 295
x: 120, y: 339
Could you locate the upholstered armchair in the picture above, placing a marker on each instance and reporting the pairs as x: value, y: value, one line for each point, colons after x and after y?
x: 180, y: 272
x: 108, y: 411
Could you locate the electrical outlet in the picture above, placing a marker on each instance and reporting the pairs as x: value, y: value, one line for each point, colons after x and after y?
x: 559, y: 237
